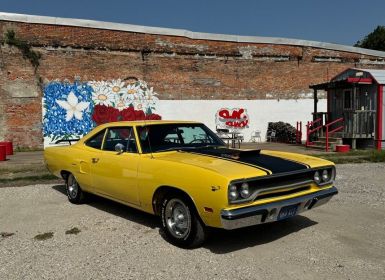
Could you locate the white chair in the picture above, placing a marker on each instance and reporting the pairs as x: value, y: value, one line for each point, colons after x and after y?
x: 271, y: 136
x: 256, y: 136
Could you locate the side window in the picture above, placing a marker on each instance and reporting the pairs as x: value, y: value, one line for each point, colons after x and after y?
x: 96, y: 141
x: 120, y: 135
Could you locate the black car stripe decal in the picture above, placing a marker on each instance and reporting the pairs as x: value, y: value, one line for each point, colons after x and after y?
x: 268, y: 172
x: 307, y: 165
x: 254, y: 158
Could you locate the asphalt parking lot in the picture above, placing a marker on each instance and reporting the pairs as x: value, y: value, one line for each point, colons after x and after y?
x: 43, y: 236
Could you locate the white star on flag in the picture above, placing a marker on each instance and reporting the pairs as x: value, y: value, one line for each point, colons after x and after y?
x: 73, y: 107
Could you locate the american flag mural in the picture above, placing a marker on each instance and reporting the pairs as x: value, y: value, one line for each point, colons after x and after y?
x: 71, y: 110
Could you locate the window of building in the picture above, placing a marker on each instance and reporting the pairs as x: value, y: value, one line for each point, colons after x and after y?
x: 348, y: 99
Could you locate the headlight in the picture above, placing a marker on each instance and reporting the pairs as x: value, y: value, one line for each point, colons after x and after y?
x: 233, y: 192
x: 239, y: 192
x: 317, y: 177
x: 245, y: 192
x: 326, y: 175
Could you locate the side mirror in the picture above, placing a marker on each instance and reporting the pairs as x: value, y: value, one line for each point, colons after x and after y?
x: 119, y: 148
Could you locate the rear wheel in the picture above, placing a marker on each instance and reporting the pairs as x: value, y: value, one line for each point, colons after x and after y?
x: 74, y: 193
x: 180, y: 222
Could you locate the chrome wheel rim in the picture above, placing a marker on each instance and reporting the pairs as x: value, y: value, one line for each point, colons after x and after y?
x: 178, y: 218
x: 72, y: 187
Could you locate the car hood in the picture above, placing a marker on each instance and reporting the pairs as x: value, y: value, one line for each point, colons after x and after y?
x: 234, y: 163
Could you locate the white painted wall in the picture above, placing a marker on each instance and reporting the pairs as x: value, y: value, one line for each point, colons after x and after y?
x: 260, y: 112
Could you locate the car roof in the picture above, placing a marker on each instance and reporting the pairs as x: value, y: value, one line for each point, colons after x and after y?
x: 145, y: 122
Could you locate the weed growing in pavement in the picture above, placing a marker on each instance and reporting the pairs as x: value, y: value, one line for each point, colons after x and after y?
x: 74, y: 230
x: 6, y: 234
x: 44, y: 236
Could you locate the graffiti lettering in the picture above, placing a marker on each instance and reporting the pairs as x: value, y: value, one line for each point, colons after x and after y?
x: 236, y: 114
x: 232, y: 118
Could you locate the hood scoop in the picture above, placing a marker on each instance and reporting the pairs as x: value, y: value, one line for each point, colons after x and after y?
x: 230, y: 153
x: 241, y: 154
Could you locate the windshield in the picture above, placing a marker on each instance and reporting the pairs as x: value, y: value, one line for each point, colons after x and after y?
x: 165, y: 137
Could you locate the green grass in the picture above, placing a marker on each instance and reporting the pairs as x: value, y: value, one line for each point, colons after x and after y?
x: 19, y: 149
x: 356, y: 156
x: 44, y: 177
x: 377, y: 156
x: 23, y: 169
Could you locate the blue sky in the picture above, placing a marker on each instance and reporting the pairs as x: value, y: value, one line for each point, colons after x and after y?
x: 338, y: 21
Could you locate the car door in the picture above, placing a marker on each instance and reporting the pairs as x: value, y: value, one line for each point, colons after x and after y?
x: 114, y: 173
x: 85, y: 158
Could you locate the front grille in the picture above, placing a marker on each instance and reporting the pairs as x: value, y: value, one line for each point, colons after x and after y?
x: 266, y: 194
x: 270, y: 181
x: 280, y: 184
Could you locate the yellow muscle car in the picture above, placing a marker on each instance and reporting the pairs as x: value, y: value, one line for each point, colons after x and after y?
x: 183, y: 172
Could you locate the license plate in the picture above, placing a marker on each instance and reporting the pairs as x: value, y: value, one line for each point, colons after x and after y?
x: 287, y: 212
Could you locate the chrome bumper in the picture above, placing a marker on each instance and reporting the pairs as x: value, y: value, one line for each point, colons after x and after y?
x: 265, y: 213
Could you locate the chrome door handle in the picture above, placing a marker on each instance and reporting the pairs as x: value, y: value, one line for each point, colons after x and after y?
x: 95, y: 160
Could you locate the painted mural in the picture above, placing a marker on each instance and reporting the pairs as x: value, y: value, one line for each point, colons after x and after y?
x: 232, y: 119
x: 71, y: 110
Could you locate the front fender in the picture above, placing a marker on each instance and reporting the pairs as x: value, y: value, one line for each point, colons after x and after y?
x: 207, y: 189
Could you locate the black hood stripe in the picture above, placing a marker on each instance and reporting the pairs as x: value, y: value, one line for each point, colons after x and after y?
x: 268, y: 172
x: 255, y: 159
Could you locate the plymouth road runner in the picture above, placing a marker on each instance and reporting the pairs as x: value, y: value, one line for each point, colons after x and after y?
x: 183, y: 172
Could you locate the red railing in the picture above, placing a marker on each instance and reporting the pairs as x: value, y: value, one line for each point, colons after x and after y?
x: 332, y: 131
x: 310, y: 129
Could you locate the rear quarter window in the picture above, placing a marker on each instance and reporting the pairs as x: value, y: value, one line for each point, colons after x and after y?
x: 96, y: 141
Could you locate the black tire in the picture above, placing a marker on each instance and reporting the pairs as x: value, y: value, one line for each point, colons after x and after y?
x: 181, y: 224
x: 74, y: 192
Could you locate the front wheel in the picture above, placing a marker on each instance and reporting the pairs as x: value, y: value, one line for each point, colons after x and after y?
x: 180, y: 222
x: 74, y: 193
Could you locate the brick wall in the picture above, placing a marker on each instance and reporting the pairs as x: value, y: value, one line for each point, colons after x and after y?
x: 177, y: 67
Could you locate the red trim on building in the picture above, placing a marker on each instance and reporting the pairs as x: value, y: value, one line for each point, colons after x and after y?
x: 379, y: 115
x: 360, y: 80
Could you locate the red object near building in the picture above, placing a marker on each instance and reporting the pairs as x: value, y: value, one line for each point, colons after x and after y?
x: 3, y: 155
x: 342, y: 148
x: 8, y: 147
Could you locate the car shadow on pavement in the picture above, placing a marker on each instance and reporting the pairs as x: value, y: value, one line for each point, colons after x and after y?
x: 234, y: 240
x: 117, y: 209
x: 220, y: 241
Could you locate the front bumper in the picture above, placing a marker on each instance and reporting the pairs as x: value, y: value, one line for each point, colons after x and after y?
x: 265, y: 213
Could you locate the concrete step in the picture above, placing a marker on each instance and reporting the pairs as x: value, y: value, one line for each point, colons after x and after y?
x: 315, y: 146
x: 322, y: 143
x: 338, y: 134
x: 331, y: 139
